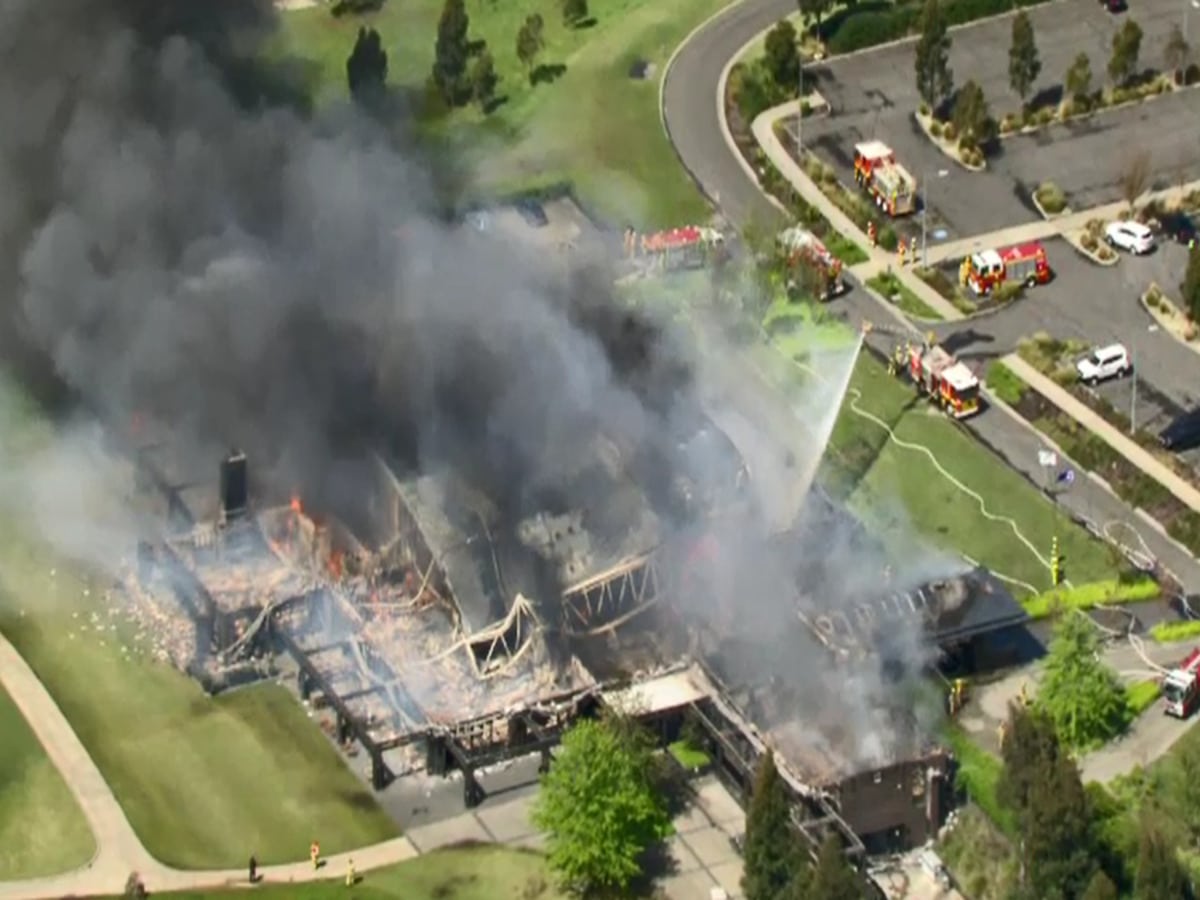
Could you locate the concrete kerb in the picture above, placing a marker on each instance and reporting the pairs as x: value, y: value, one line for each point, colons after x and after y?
x: 722, y: 83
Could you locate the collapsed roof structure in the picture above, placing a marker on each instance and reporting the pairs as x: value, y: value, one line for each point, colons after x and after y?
x: 475, y: 639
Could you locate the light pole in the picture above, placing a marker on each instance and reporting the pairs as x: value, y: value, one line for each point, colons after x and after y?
x: 800, y: 86
x: 941, y: 173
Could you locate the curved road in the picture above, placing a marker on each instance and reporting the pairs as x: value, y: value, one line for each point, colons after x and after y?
x: 690, y: 104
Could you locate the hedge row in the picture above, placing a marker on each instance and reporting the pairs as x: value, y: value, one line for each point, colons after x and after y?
x: 1166, y: 632
x: 1087, y: 596
x: 870, y: 24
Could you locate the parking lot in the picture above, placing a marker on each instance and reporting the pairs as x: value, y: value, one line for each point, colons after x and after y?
x: 873, y: 95
x: 1099, y: 305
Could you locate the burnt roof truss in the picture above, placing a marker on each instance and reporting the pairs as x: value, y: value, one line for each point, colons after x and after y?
x: 611, y: 599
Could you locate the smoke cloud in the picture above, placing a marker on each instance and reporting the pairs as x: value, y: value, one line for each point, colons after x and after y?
x: 176, y: 247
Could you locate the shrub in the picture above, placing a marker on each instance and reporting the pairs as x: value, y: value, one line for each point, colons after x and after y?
x: 1141, y: 695
x: 935, y: 128
x: 1007, y: 292
x: 1153, y: 300
x: 887, y: 238
x: 1089, y: 596
x: 1045, y: 116
x: 1105, y: 253
x: 1166, y: 632
x: 949, y: 132
x: 1089, y: 243
x: 829, y: 176
x: 1050, y: 197
x: 1005, y: 383
x: 805, y: 109
x: 868, y: 28
x: 923, y: 108
x: 1009, y: 123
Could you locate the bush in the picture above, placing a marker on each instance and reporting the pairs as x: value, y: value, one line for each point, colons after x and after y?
x: 1051, y: 197
x: 1105, y: 253
x: 1168, y: 632
x: 1141, y: 696
x: 1005, y: 383
x: 1089, y: 243
x: 1009, y: 123
x: 949, y: 132
x: 1045, y: 116
x: 923, y: 108
x: 935, y: 128
x: 1088, y: 596
x: 887, y: 238
x: 868, y: 27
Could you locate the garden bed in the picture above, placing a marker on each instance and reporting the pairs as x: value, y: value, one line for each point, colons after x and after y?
x: 965, y: 303
x: 1169, y: 632
x: 895, y: 291
x: 1092, y: 454
x: 1031, y: 121
x: 1050, y: 201
x: 941, y: 135
x: 1170, y: 317
x: 1088, y: 596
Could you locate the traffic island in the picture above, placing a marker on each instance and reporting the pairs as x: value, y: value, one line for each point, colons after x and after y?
x: 1050, y: 201
x: 1031, y: 121
x: 1089, y: 241
x: 944, y: 136
x: 1170, y: 317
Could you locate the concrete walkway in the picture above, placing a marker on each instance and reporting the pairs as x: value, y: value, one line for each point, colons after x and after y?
x: 1133, y: 452
x: 119, y: 851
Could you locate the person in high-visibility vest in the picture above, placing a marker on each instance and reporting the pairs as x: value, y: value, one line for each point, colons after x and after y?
x: 871, y: 233
x: 350, y: 876
x: 900, y: 250
x: 314, y: 852
x: 1002, y: 733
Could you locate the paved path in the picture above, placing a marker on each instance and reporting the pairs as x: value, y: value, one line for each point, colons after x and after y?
x: 119, y: 849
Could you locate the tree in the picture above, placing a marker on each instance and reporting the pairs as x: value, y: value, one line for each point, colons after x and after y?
x: 934, y: 78
x: 1024, y: 65
x: 1126, y: 45
x: 530, y: 41
x: 451, y: 52
x: 1058, y: 840
x: 1135, y: 177
x: 817, y: 9
x: 972, y: 117
x: 484, y: 79
x: 574, y: 12
x: 1159, y: 874
x: 771, y: 856
x: 833, y: 879
x: 1082, y: 696
x: 1191, y: 284
x: 782, y: 55
x: 600, y: 807
x: 1030, y: 749
x: 1176, y: 52
x: 1078, y: 80
x: 1100, y: 888
x: 1181, y: 781
x: 367, y: 65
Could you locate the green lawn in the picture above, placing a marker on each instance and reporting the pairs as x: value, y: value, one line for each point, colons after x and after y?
x: 474, y: 873
x: 595, y: 126
x: 901, y: 492
x: 906, y: 300
x: 688, y: 756
x: 205, y: 782
x: 42, y: 831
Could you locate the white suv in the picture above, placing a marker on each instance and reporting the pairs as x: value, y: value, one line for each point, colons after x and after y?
x: 1104, y: 363
x: 1133, y: 237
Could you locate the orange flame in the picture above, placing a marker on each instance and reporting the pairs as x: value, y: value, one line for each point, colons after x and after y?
x: 335, y: 564
x: 297, y: 506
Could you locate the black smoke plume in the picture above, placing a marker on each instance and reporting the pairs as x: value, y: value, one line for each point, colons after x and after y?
x: 179, y: 244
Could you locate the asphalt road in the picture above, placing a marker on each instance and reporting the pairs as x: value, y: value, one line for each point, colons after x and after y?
x: 690, y: 106
x: 873, y: 95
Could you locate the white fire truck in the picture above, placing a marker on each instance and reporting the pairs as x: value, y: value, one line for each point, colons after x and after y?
x: 936, y: 373
x: 888, y: 182
x: 690, y: 247
x: 803, y: 248
x: 985, y: 271
x: 1181, y: 687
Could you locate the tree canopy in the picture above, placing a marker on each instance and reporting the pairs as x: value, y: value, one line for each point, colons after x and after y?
x: 772, y: 856
x: 484, y: 80
x: 1159, y: 873
x: 575, y: 12
x: 600, y: 807
x: 367, y: 65
x: 1126, y: 46
x: 1059, y: 843
x: 450, y: 53
x: 972, y: 116
x: 782, y: 55
x: 1081, y: 695
x: 1078, y: 80
x: 1024, y: 64
x: 935, y: 81
x: 832, y: 878
x: 530, y: 40
x: 1100, y: 888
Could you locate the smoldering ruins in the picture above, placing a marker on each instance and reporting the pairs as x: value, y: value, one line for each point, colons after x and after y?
x: 474, y: 497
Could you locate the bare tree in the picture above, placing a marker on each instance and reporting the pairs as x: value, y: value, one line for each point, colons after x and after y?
x: 1135, y: 178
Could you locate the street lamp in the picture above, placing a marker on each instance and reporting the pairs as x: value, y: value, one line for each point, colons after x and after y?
x: 941, y: 173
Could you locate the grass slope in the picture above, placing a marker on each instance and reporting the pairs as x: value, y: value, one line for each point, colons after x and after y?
x: 42, y: 830
x: 205, y: 782
x: 594, y: 125
x: 470, y: 873
x: 900, y: 490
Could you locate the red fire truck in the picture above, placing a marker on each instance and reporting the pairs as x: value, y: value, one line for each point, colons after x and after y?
x: 1181, y: 687
x: 985, y: 271
x: 948, y: 382
x: 888, y: 182
x: 803, y: 248
x: 690, y: 247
